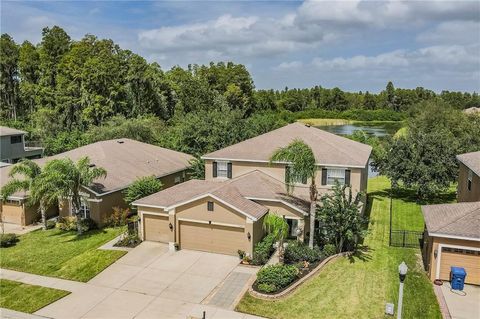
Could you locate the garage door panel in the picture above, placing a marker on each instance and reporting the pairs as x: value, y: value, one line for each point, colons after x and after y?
x: 12, y: 214
x: 211, y: 238
x: 471, y: 263
x: 156, y: 228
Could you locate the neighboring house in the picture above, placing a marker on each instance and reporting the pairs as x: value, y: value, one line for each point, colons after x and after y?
x: 224, y: 213
x: 469, y: 177
x: 452, y: 238
x: 12, y: 146
x: 125, y: 161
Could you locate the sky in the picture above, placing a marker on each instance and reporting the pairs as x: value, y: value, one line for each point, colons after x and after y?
x: 353, y: 45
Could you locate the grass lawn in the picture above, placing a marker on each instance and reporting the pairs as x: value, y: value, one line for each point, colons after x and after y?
x: 359, y: 287
x: 27, y: 298
x: 61, y: 254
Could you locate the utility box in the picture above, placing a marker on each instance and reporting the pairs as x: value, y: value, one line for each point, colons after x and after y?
x: 389, y: 309
x: 457, y: 277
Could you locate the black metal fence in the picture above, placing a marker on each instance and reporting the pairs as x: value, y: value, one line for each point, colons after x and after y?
x: 404, y: 238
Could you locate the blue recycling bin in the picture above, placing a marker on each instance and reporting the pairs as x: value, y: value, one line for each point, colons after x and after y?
x: 457, y: 277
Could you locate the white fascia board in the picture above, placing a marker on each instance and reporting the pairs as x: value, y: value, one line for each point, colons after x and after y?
x: 147, y: 205
x: 275, y: 162
x: 452, y: 236
x: 279, y: 201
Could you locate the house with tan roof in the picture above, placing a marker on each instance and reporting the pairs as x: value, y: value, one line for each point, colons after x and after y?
x: 469, y: 177
x: 224, y: 213
x: 452, y: 231
x: 13, y: 146
x: 125, y: 161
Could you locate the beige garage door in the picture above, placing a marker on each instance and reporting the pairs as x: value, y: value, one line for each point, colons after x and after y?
x: 468, y: 259
x: 12, y: 213
x: 212, y: 238
x: 156, y: 228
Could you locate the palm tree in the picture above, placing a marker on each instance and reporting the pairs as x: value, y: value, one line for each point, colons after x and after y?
x: 30, y: 172
x: 301, y: 167
x: 278, y: 227
x: 69, y: 178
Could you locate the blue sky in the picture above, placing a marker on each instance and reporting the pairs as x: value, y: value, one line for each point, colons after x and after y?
x: 355, y: 45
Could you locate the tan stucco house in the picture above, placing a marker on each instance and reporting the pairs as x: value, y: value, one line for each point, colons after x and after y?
x: 452, y: 238
x: 125, y: 161
x: 469, y: 177
x: 224, y: 213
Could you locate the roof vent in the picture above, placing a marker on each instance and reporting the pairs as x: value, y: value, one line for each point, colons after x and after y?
x: 91, y: 165
x: 307, y: 125
x: 120, y: 142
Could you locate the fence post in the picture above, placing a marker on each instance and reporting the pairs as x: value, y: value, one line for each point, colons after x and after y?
x: 403, y: 238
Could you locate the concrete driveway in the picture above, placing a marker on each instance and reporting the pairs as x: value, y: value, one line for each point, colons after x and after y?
x: 150, y: 282
x: 462, y: 304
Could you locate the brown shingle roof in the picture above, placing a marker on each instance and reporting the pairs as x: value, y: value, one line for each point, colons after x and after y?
x: 6, y: 131
x: 460, y: 219
x: 329, y: 149
x: 125, y: 161
x: 240, y: 192
x: 471, y: 160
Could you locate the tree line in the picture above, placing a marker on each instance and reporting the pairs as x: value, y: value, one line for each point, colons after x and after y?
x: 67, y: 93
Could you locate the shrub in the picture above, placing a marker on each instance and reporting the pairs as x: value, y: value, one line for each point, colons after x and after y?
x: 67, y: 223
x: 263, y: 250
x: 119, y: 217
x: 268, y: 288
x: 51, y: 224
x: 278, y: 276
x: 87, y: 224
x: 329, y: 250
x: 7, y: 240
x: 241, y: 253
x: 297, y: 252
x: 131, y: 240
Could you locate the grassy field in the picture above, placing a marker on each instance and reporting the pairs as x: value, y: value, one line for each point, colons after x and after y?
x: 359, y: 286
x: 406, y: 211
x: 27, y: 298
x: 61, y: 254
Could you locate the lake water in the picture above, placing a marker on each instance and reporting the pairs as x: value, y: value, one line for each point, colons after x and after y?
x: 378, y: 129
x: 372, y: 128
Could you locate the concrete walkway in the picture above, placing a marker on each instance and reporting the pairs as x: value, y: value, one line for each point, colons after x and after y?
x: 19, y: 229
x: 148, y: 282
x: 12, y: 314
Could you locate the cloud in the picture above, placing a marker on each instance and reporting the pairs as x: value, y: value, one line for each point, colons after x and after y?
x: 459, y: 32
x: 293, y: 65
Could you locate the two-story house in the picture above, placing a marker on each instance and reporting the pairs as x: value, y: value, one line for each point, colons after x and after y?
x: 125, y: 161
x: 224, y: 213
x: 12, y: 146
x: 452, y: 231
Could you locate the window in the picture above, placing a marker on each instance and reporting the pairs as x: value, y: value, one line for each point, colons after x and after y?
x: 15, y: 139
x: 222, y: 169
x: 292, y: 228
x: 84, y: 209
x: 177, y: 180
x: 335, y: 174
x: 210, y: 206
x: 469, y: 180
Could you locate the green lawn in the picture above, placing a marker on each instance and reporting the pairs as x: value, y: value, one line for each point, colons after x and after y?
x: 359, y: 287
x: 61, y: 254
x: 27, y: 298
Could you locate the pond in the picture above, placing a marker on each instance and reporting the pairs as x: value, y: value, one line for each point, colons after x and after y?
x: 372, y: 128
x: 379, y: 129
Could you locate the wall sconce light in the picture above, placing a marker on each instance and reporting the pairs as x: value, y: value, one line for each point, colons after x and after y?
x: 249, y: 236
x: 170, y: 226
x: 435, y: 253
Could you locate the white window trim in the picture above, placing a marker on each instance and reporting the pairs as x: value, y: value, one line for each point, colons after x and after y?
x: 439, y: 255
x: 329, y: 169
x: 222, y: 170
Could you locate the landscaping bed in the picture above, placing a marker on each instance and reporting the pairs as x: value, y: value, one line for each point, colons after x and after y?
x: 27, y: 298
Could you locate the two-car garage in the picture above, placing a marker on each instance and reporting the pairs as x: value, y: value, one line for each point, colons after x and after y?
x: 210, y: 237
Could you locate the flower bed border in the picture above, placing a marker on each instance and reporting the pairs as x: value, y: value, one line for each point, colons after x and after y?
x: 297, y: 283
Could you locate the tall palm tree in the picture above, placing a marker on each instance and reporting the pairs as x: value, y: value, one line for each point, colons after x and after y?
x: 30, y: 174
x: 278, y: 227
x: 69, y: 178
x: 301, y: 166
